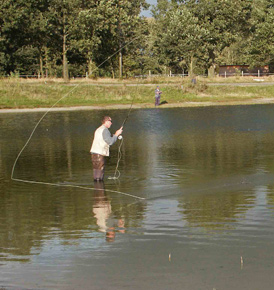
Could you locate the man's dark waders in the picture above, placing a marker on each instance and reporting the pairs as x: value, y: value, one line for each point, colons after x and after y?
x: 98, y: 162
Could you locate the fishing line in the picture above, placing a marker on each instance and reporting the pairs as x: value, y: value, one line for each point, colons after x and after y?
x: 44, y: 115
x: 76, y: 186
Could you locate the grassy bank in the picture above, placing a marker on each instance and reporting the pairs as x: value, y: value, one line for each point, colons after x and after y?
x: 21, y: 93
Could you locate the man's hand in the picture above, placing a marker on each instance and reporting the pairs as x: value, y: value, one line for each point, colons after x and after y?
x: 119, y: 132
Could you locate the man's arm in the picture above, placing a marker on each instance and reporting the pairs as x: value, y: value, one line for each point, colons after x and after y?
x: 107, y: 137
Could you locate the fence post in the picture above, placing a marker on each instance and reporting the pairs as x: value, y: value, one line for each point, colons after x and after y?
x: 242, y: 73
x: 225, y: 74
x: 258, y: 73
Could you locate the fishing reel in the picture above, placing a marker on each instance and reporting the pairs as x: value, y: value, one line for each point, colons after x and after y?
x: 120, y: 137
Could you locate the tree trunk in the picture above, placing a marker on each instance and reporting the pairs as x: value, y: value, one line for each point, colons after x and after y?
x: 47, y: 63
x: 211, y: 71
x: 120, y: 33
x: 120, y: 64
x: 65, y: 61
x: 190, y: 73
x: 91, y: 68
x: 112, y: 69
x: 41, y: 65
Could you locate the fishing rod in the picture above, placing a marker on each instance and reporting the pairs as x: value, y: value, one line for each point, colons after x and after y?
x: 120, y: 137
x: 126, y: 118
x: 129, y: 111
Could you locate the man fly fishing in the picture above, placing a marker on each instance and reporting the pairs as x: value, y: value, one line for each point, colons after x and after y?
x: 100, y: 147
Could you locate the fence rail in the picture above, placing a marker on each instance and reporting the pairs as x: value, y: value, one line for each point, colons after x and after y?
x: 257, y: 74
x: 161, y: 75
x: 144, y: 76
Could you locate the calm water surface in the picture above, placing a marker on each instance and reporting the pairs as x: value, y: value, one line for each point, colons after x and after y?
x: 206, y: 220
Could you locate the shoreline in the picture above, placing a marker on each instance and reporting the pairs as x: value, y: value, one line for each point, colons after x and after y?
x: 262, y: 101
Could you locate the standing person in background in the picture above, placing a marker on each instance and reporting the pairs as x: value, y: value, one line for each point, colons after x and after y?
x: 100, y: 147
x: 157, y: 96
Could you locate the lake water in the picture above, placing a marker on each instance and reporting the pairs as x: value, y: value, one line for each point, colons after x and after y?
x: 205, y: 220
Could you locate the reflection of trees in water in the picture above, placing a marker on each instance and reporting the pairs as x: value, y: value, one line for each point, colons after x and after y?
x: 32, y: 218
x: 56, y: 147
x: 267, y: 154
x: 217, y: 152
x: 270, y: 197
x: 215, y: 210
x: 198, y: 155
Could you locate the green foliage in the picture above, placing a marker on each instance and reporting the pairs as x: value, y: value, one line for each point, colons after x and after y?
x: 26, y: 59
x: 261, y: 42
x: 110, y: 38
x: 61, y: 29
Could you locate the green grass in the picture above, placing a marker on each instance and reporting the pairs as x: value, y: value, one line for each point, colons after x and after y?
x: 19, y: 93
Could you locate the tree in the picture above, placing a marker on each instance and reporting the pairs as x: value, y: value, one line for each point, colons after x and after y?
x: 182, y: 38
x: 16, y: 29
x: 225, y: 21
x: 62, y: 16
x: 123, y: 27
x: 38, y: 29
x: 261, y: 42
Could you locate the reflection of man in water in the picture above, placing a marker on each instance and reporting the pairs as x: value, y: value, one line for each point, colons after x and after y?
x: 102, y: 212
x: 100, y: 147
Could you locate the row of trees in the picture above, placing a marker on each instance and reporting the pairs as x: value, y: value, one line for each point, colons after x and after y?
x: 109, y: 37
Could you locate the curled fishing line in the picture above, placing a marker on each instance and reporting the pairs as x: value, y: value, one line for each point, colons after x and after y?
x: 40, y: 120
x: 117, y: 172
